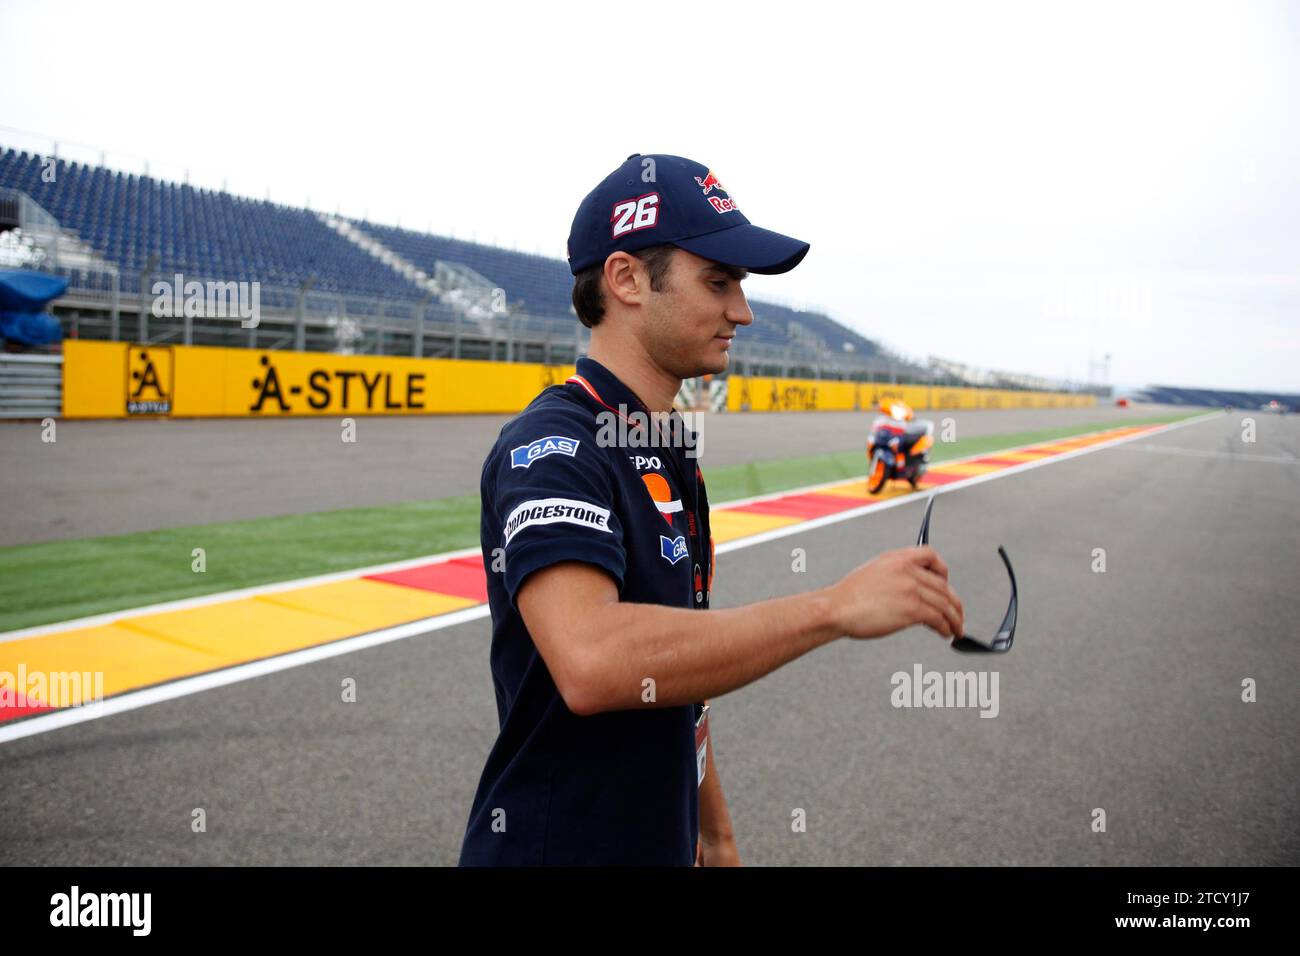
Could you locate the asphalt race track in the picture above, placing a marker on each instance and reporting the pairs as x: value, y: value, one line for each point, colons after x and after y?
x: 114, y: 477
x: 1123, y: 691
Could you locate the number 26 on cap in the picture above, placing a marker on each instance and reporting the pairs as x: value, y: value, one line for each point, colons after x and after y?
x: 633, y: 214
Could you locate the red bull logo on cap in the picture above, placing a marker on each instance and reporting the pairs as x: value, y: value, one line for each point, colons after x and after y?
x: 709, y: 182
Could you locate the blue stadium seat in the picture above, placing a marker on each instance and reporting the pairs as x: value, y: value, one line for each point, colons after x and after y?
x: 215, y: 235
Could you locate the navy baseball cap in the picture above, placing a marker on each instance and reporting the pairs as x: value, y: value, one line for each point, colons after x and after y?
x: 656, y: 199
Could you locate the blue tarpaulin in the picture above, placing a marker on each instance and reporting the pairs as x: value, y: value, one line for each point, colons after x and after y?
x: 23, y: 296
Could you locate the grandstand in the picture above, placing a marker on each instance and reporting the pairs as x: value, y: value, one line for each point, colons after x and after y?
x: 959, y: 373
x: 130, y: 219
x: 1215, y: 398
x: 335, y: 284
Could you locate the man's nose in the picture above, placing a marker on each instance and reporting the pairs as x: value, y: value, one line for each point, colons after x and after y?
x: 738, y: 311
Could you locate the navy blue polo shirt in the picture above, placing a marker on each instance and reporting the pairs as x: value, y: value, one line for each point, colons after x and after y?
x: 562, y: 483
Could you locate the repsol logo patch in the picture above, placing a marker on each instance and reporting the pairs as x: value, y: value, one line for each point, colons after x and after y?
x: 525, y: 455
x: 556, y: 511
x: 673, y: 550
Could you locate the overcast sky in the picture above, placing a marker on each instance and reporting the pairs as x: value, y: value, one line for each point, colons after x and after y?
x: 1015, y: 186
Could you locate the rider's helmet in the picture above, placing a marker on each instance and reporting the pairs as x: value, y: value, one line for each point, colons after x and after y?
x: 896, y: 408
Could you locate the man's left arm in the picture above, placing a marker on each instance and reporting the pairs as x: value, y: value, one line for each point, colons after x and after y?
x: 717, y: 845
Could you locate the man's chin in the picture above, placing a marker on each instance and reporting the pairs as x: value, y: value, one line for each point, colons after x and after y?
x: 713, y: 365
x: 717, y: 365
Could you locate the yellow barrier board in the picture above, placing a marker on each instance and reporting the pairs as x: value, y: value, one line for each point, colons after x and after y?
x: 117, y: 380
x: 762, y: 394
x: 120, y: 380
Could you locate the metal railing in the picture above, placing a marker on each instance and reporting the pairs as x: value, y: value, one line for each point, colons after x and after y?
x: 31, y: 386
x: 312, y: 320
x: 309, y: 319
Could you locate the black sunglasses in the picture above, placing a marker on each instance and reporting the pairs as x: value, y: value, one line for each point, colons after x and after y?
x: 1007, y: 632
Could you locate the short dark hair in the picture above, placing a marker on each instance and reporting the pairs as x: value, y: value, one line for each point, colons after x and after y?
x: 588, y: 296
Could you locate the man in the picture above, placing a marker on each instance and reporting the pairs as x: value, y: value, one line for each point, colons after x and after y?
x: 600, y: 560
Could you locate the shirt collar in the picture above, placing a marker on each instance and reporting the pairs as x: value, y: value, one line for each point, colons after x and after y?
x: 610, y: 390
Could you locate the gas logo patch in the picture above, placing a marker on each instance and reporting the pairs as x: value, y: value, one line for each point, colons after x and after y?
x: 525, y: 455
x: 673, y: 550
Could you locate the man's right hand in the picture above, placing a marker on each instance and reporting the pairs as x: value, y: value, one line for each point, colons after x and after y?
x: 897, y: 590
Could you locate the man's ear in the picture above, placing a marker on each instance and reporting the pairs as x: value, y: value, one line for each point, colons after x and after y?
x: 626, y: 278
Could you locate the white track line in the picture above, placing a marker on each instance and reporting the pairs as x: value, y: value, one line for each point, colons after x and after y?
x: 1221, y: 455
x: 131, y: 700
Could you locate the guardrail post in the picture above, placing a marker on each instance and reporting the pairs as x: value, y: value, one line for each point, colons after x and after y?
x: 417, y: 346
x: 300, y: 318
x: 142, y: 320
x: 115, y: 313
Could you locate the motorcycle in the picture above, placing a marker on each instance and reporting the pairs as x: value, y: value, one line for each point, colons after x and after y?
x: 899, y: 446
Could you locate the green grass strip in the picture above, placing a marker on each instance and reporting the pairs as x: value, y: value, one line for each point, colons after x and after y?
x: 60, y: 580
x: 767, y: 477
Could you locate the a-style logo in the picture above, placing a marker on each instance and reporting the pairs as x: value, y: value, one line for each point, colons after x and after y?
x: 285, y: 382
x: 149, y: 380
x: 673, y: 550
x: 525, y: 455
x: 709, y: 183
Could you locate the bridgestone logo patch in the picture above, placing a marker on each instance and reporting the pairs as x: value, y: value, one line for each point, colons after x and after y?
x: 554, y: 511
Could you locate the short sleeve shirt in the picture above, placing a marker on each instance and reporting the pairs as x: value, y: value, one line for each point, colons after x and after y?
x: 566, y: 482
